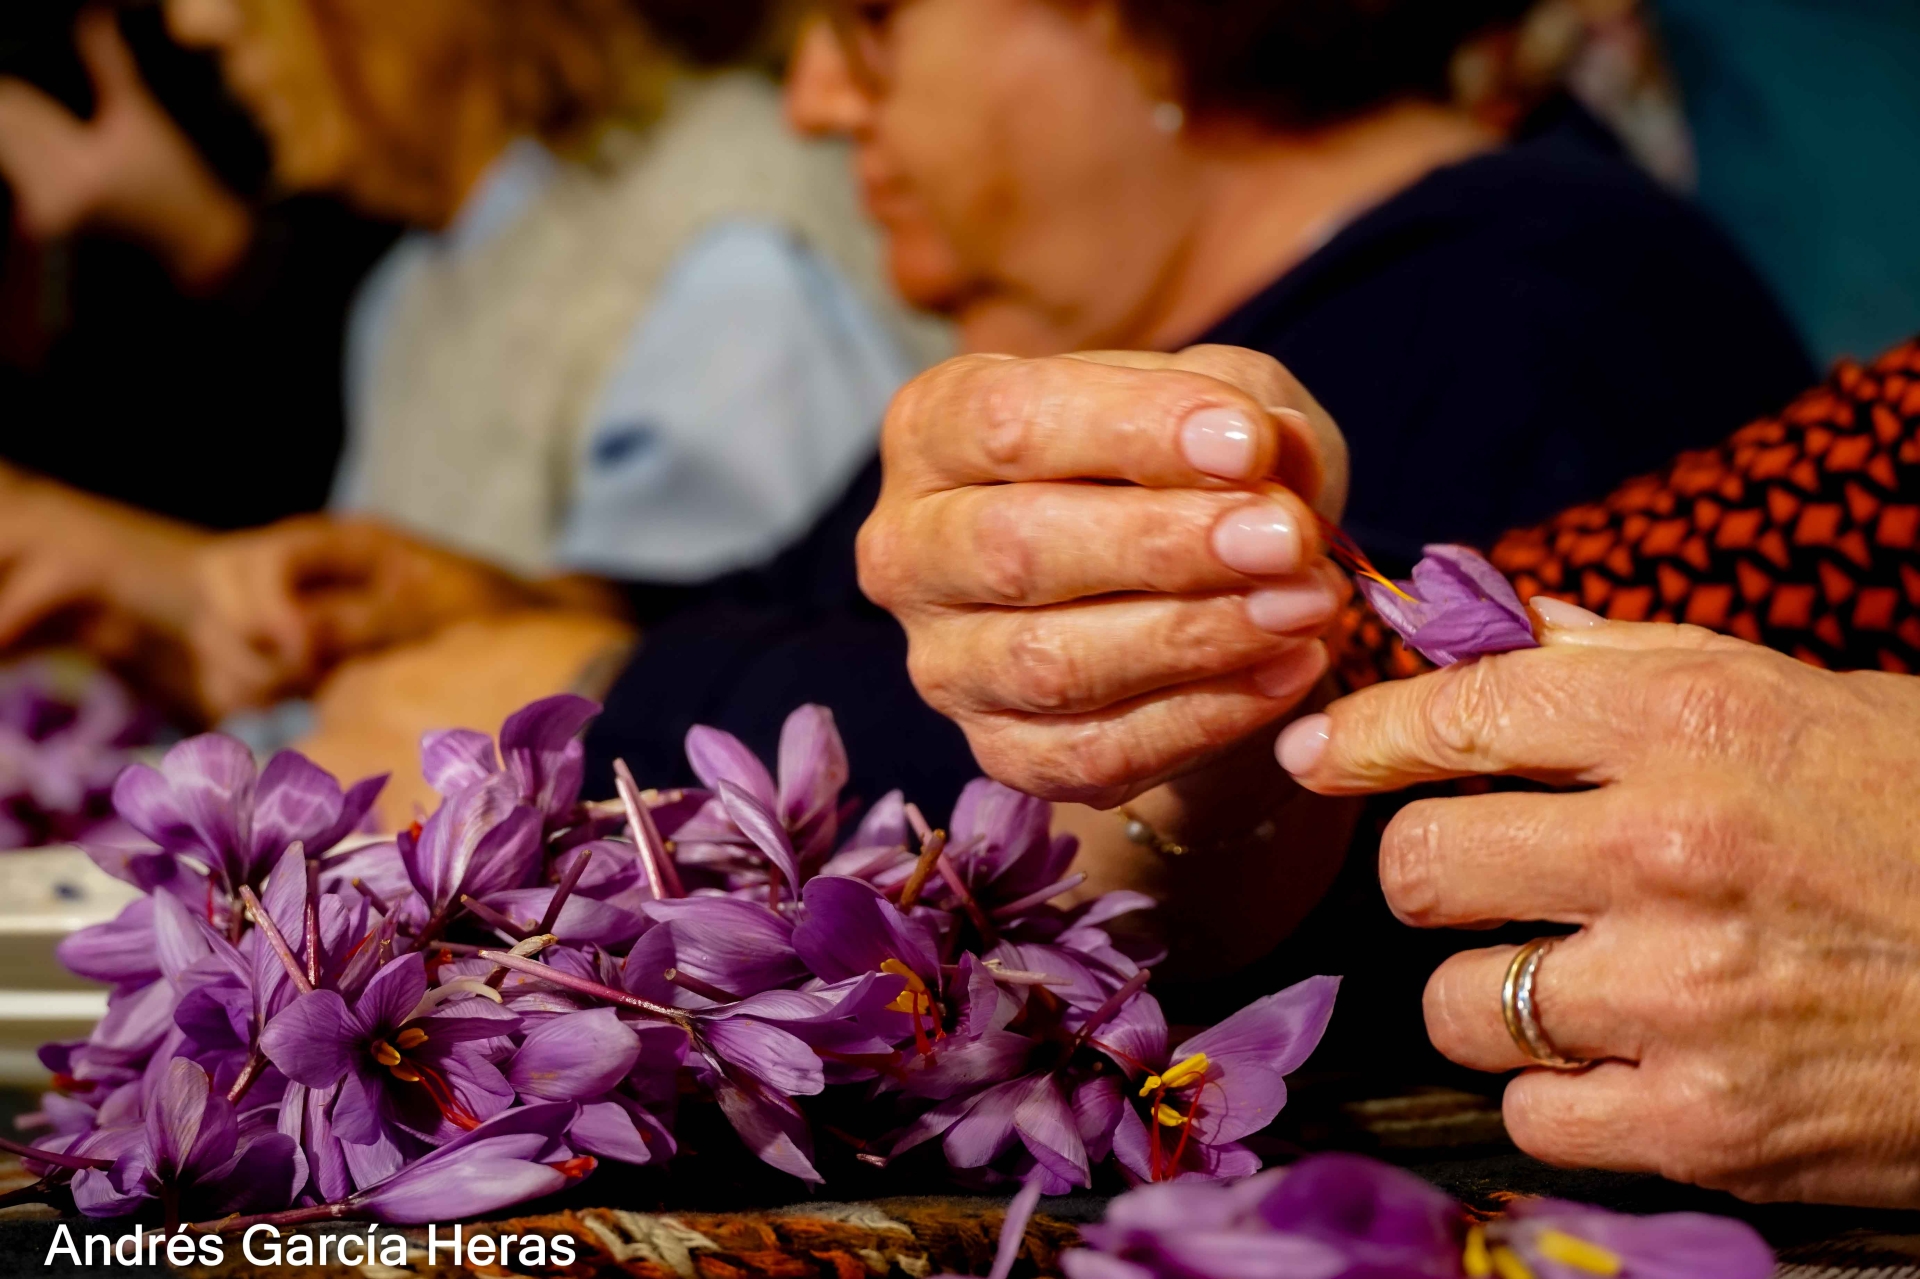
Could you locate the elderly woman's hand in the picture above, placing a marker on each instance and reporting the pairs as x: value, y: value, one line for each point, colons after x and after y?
x: 1744, y: 871
x: 1107, y: 565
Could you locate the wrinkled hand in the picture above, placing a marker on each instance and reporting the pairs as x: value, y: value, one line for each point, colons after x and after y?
x: 111, y: 568
x: 128, y: 170
x: 1744, y: 872
x: 279, y: 607
x: 1101, y: 575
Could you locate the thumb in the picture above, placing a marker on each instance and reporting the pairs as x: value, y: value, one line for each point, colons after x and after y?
x: 1557, y: 622
x: 108, y: 59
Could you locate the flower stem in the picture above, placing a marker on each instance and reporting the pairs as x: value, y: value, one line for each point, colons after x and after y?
x: 951, y: 874
x: 706, y: 990
x: 256, y: 1062
x: 313, y: 923
x: 564, y: 891
x: 1115, y: 1002
x: 379, y: 902
x: 271, y: 930
x: 567, y: 981
x: 291, y: 1217
x: 494, y: 919
x: 55, y: 1159
x: 663, y: 878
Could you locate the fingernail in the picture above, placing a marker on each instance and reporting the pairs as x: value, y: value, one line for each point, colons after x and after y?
x: 1282, y: 610
x: 1219, y: 441
x: 1259, y: 540
x: 1562, y: 616
x: 1292, y: 673
x: 1303, y: 743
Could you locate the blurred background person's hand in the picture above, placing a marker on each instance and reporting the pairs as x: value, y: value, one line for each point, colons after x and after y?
x: 128, y: 170
x: 280, y: 607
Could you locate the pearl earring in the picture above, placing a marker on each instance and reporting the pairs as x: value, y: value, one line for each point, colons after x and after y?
x: 1169, y: 118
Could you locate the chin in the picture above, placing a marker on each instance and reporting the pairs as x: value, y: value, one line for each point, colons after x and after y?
x: 925, y: 275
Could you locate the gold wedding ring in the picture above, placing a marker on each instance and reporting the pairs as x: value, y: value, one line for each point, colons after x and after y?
x: 1521, y: 1009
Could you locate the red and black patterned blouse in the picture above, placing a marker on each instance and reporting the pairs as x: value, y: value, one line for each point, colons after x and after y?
x: 1800, y: 532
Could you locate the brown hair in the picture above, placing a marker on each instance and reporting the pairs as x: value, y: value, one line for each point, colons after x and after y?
x: 1303, y: 63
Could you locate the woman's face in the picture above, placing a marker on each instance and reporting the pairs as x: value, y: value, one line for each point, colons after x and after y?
x: 1009, y: 149
x: 363, y: 97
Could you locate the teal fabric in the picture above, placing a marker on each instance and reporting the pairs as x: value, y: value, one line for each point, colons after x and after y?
x: 1806, y: 117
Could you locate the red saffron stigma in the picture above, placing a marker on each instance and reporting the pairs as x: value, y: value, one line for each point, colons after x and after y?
x: 1346, y: 552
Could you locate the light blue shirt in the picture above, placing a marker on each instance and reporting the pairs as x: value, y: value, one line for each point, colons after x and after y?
x: 748, y: 393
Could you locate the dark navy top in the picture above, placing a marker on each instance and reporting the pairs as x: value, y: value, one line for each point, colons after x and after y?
x: 1509, y: 336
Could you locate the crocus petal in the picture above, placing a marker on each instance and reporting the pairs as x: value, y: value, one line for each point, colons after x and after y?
x: 1469, y: 576
x: 295, y: 799
x: 313, y: 1040
x: 1377, y: 1214
x: 1681, y: 1245
x: 620, y: 1131
x: 354, y: 807
x: 455, y: 758
x: 757, y: 822
x: 393, y: 993
x: 577, y: 1055
x: 721, y: 757
x: 1085, y: 1263
x: 985, y: 1128
x: 813, y: 766
x: 736, y: 945
x: 503, y: 1161
x: 539, y: 744
x: 117, y: 953
x: 770, y: 1127
x: 850, y: 930
x: 1051, y: 1132
x: 782, y: 1061
x: 1250, y: 1053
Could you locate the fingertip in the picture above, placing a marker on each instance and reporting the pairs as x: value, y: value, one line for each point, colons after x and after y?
x: 1561, y: 615
x: 1293, y: 672
x: 1303, y: 744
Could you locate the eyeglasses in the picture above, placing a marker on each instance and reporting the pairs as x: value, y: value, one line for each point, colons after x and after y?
x: 865, y: 31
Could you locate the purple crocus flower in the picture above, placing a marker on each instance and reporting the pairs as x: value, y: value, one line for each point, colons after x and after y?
x: 404, y: 1061
x: 1225, y: 1083
x: 1342, y: 1216
x: 751, y: 823
x: 542, y: 752
x: 719, y: 949
x: 65, y: 735
x: 1457, y: 606
x: 585, y: 1057
x: 192, y: 1154
x: 207, y: 800
x: 516, y: 1155
x: 1560, y: 1240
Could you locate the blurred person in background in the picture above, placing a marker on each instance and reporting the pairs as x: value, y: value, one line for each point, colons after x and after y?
x: 156, y: 294
x: 1291, y: 177
x: 641, y: 332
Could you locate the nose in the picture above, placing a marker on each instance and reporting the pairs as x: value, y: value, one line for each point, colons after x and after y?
x: 203, y: 24
x: 823, y: 96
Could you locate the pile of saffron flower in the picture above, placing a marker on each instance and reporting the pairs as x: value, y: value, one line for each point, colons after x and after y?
x: 477, y: 1012
x: 67, y: 729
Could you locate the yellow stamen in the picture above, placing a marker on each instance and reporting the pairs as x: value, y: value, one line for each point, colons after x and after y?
x: 914, y: 999
x: 1475, y: 1260
x: 384, y: 1053
x: 404, y: 1073
x: 411, y: 1037
x: 1169, y: 1117
x: 1507, y: 1264
x: 1178, y: 1075
x: 1345, y: 552
x: 1564, y: 1248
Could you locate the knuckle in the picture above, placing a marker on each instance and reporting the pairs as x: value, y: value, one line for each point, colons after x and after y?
x: 878, y: 557
x: 1719, y: 703
x: 1410, y: 852
x: 1044, y: 673
x: 1691, y: 846
x: 936, y: 677
x: 1004, y: 556
x: 1096, y: 757
x: 1465, y: 710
